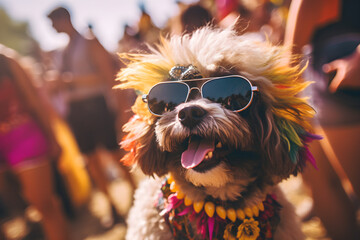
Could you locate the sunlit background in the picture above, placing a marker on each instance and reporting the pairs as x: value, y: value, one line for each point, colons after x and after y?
x: 25, y: 27
x: 108, y: 17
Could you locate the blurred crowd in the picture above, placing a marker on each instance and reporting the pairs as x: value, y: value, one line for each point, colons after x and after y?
x: 61, y: 121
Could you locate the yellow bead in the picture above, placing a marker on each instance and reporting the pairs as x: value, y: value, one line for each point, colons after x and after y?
x: 231, y: 214
x: 210, y: 208
x: 187, y: 201
x: 180, y: 194
x: 248, y: 212
x: 240, y: 214
x: 261, y: 207
x: 170, y: 179
x: 198, y: 206
x: 221, y: 212
x: 255, y: 211
x: 173, y: 187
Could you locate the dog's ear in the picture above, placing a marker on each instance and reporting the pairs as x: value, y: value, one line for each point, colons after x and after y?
x: 143, y: 149
x: 267, y: 137
x: 149, y: 157
x: 283, y: 143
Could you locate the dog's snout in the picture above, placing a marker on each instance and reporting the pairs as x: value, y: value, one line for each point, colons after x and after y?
x: 191, y: 116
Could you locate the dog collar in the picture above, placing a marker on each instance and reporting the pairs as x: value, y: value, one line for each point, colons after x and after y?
x: 215, y: 219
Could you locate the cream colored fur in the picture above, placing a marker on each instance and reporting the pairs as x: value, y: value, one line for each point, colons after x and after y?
x: 144, y: 220
x: 216, y: 177
x: 211, y: 50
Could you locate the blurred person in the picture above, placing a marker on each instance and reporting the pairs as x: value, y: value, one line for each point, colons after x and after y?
x: 27, y: 143
x: 225, y: 7
x: 194, y: 17
x: 13, y: 207
x: 332, y: 28
x: 86, y: 77
x: 118, y: 100
x: 136, y: 38
x: 264, y: 18
x: 190, y: 18
x: 254, y: 14
x: 130, y: 41
x: 147, y: 31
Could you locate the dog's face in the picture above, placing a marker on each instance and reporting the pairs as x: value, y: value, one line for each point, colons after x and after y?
x: 204, y: 143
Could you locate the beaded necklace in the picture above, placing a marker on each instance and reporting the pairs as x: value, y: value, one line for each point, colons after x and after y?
x: 215, y: 219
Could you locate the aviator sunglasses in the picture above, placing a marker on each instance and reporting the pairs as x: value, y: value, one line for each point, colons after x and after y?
x: 233, y: 92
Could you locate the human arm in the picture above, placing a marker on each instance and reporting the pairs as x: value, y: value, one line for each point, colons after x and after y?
x: 305, y: 16
x: 102, y: 61
x: 347, y: 71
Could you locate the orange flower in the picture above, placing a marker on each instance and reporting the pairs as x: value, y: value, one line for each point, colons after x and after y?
x: 227, y: 232
x: 248, y: 230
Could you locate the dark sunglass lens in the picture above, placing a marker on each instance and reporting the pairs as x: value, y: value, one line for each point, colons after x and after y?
x: 166, y: 96
x: 232, y: 92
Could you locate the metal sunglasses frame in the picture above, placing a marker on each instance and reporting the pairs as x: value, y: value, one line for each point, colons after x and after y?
x: 253, y: 89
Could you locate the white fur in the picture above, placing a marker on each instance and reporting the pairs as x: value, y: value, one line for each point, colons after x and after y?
x: 144, y: 221
x: 216, y: 177
x: 208, y: 49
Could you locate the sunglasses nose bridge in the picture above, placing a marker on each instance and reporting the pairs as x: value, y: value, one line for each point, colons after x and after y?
x: 194, y: 93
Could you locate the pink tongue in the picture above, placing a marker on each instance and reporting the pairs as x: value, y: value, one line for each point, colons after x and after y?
x: 196, y: 152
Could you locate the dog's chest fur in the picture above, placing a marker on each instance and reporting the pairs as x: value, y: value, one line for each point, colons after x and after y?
x: 154, y: 221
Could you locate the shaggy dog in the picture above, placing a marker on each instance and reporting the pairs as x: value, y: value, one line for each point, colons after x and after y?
x: 221, y: 124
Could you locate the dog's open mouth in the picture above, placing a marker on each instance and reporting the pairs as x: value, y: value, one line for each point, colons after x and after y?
x: 201, y: 154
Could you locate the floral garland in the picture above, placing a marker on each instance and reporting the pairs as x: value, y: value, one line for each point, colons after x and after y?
x: 215, y: 219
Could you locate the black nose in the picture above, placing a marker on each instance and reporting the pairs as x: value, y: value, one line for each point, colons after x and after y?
x: 191, y: 116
